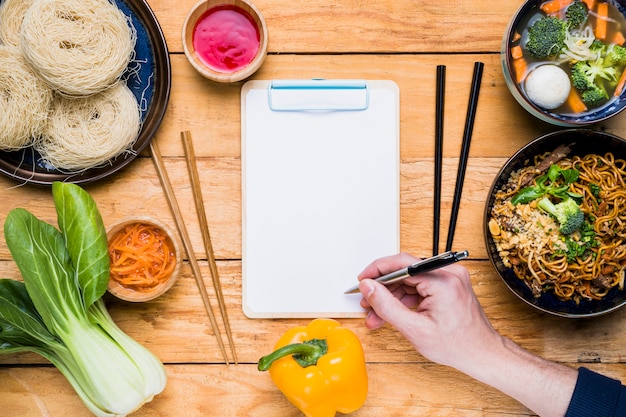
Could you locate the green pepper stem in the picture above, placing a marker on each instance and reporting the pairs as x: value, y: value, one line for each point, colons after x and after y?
x: 306, y: 353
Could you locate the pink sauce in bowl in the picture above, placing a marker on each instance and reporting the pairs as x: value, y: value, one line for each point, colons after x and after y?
x: 226, y: 38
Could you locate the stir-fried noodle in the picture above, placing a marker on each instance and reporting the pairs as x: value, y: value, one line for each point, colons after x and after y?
x: 584, y: 264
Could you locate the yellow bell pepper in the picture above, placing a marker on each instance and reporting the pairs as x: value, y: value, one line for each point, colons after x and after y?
x: 320, y: 368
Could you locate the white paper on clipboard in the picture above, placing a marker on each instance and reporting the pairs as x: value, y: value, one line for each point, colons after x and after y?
x: 320, y: 184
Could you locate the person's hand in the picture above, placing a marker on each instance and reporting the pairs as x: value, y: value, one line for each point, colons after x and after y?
x: 436, y: 311
x: 439, y: 314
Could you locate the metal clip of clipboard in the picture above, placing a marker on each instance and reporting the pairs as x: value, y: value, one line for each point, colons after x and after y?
x: 318, y: 95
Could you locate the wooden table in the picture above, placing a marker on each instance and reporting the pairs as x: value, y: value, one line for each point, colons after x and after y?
x: 400, y: 40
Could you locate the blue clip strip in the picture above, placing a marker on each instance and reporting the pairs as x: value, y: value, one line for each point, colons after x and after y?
x: 318, y: 95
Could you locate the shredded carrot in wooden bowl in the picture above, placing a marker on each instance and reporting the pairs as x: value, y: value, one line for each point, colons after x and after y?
x: 142, y: 256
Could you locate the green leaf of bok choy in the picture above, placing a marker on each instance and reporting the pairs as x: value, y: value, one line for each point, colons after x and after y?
x: 85, y: 239
x: 58, y: 311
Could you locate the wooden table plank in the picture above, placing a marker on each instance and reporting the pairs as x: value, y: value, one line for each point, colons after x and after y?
x: 176, y: 328
x: 221, y: 182
x: 244, y: 391
x: 217, y: 390
x: 402, y: 41
x: 388, y: 26
x: 211, y: 111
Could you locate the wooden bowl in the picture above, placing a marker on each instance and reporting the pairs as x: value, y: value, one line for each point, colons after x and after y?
x: 224, y: 75
x: 140, y: 295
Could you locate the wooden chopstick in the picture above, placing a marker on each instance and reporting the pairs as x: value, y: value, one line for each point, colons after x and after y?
x: 190, y: 158
x: 439, y: 110
x: 173, y: 203
x: 467, y: 137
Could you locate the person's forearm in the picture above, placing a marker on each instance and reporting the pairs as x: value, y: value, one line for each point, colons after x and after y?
x: 544, y: 387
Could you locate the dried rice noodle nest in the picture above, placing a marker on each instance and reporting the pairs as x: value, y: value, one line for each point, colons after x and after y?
x: 11, y: 16
x: 24, y: 101
x: 79, y: 47
x: 88, y: 132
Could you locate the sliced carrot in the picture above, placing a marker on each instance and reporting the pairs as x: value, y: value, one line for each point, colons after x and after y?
x: 141, y: 256
x: 575, y: 102
x: 516, y: 52
x: 520, y: 65
x: 553, y: 7
x: 602, y: 12
x: 618, y: 39
x: 620, y: 84
x: 516, y: 37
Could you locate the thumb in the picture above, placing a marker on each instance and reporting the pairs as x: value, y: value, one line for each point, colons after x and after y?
x: 386, y: 306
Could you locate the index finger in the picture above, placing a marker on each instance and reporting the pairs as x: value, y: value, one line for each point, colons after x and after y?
x: 386, y: 265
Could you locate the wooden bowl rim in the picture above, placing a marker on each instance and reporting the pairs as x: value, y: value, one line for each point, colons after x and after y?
x: 224, y: 77
x: 127, y: 294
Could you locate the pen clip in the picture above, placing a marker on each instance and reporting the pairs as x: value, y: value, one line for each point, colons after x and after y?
x: 434, y: 262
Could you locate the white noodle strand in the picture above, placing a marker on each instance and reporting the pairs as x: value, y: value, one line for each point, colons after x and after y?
x: 24, y: 101
x: 11, y: 16
x: 79, y: 47
x: 578, y: 45
x: 87, y: 132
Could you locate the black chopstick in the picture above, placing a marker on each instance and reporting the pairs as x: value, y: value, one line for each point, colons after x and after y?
x: 439, y: 110
x: 467, y: 137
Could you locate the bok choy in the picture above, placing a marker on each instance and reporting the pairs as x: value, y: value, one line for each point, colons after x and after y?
x: 58, y: 311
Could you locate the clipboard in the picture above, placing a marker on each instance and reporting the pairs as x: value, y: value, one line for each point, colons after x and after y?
x: 320, y: 192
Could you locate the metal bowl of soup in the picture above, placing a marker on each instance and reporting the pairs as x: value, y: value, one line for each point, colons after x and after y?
x: 544, y: 86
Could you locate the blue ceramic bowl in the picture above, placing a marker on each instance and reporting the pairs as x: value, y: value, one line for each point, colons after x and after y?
x: 585, y: 141
x: 608, y: 110
x: 148, y: 77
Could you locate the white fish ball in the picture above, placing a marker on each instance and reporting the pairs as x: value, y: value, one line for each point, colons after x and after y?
x: 548, y: 86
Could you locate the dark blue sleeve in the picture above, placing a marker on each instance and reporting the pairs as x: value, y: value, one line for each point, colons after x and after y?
x: 597, y: 395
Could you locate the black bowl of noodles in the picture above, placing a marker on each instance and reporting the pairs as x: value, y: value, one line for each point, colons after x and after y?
x: 576, y: 275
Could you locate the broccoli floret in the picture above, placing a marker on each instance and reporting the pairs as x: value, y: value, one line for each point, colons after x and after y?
x: 577, y: 14
x: 546, y: 37
x: 594, y: 96
x: 567, y: 213
x: 580, y: 79
x: 585, y: 75
x: 597, y: 46
x: 597, y: 69
x: 615, y: 56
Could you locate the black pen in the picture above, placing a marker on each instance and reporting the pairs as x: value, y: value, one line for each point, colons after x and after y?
x: 425, y: 265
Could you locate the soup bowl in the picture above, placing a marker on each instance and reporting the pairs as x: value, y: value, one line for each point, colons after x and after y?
x: 582, y: 142
x: 518, y: 71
